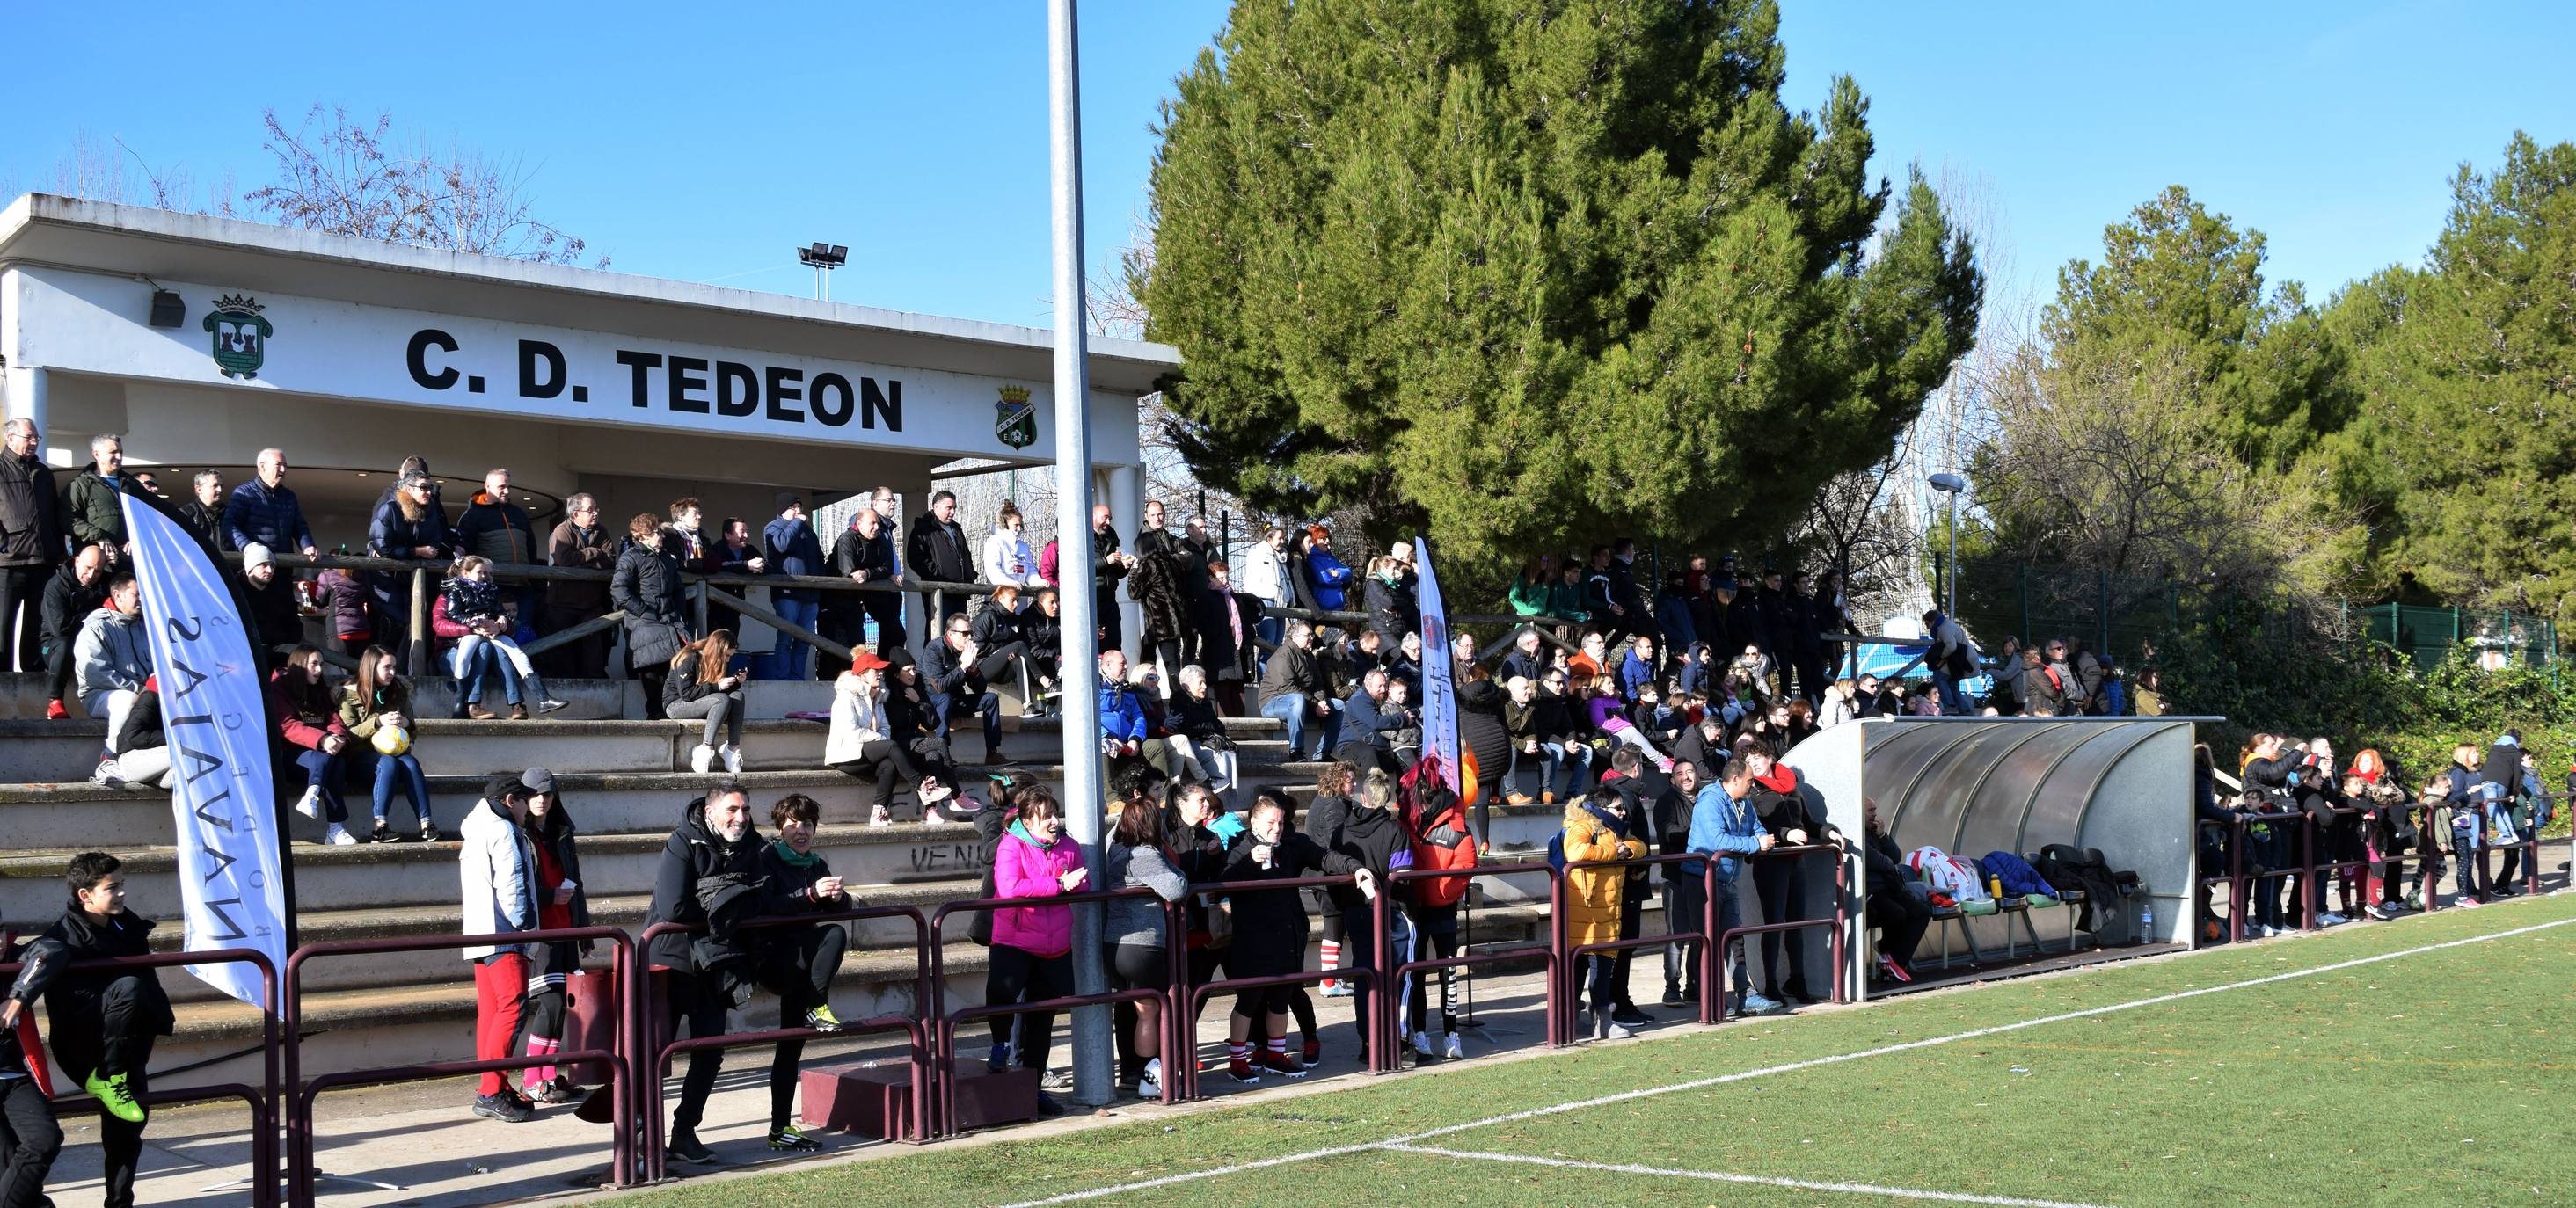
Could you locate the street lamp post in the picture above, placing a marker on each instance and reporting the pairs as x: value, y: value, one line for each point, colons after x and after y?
x: 1951, y: 485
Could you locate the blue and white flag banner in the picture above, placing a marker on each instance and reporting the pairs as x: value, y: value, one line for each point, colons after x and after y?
x: 214, y: 711
x: 1439, y: 691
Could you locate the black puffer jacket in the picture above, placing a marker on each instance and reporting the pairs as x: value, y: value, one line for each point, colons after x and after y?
x: 692, y: 856
x: 76, y: 1000
x: 646, y: 587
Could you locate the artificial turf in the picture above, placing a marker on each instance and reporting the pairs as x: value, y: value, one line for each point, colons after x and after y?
x: 2430, y: 1078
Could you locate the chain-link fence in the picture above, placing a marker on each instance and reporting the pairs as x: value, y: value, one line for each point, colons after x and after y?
x: 2101, y: 611
x: 2120, y: 615
x: 2496, y: 639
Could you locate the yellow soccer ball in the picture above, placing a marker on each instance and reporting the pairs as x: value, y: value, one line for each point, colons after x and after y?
x: 392, y: 740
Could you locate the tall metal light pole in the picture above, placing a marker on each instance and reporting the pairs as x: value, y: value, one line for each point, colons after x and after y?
x: 1093, y: 1081
x: 823, y: 258
x: 1951, y: 485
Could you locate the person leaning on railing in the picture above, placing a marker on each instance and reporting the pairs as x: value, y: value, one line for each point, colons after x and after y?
x: 1725, y: 827
x: 1135, y: 933
x: 646, y: 587
x: 799, y: 963
x: 104, y: 1021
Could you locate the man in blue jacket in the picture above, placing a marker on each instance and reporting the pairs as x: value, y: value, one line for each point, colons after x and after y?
x: 1122, y: 720
x: 1366, y: 722
x: 793, y: 549
x: 1724, y: 825
x: 264, y: 512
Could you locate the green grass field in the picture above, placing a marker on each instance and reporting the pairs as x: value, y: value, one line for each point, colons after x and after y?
x: 2428, y: 1077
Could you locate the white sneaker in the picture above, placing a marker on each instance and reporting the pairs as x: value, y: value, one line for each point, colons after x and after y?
x: 702, y: 759
x: 106, y: 773
x: 1422, y: 1043
x: 550, y: 704
x: 310, y: 804
x: 1151, y: 1085
x: 339, y: 836
x: 2331, y: 919
x: 732, y: 759
x: 880, y: 817
x: 1611, y: 1029
x: 1451, y: 1049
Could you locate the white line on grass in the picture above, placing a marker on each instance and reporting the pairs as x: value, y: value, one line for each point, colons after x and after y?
x: 1410, y: 1140
x: 1907, y: 1193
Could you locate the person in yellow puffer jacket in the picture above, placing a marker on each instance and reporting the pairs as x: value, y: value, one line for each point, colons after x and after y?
x: 1597, y: 827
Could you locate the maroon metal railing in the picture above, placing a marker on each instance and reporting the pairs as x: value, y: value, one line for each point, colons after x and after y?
x: 652, y: 1056
x: 299, y: 1117
x: 945, y: 1023
x: 261, y: 1099
x: 1571, y: 959
x: 1711, y: 988
x: 1380, y: 1046
x: 1545, y: 951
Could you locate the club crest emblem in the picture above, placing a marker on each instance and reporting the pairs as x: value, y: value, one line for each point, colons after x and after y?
x: 241, y: 335
x: 1015, y: 419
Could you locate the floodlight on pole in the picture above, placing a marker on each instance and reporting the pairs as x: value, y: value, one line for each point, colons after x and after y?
x: 823, y: 258
x: 1951, y: 485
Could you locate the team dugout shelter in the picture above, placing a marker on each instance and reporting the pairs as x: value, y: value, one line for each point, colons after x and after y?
x: 204, y: 340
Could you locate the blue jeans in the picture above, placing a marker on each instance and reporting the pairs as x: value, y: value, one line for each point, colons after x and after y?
x: 1730, y: 915
x: 323, y: 772
x: 404, y: 770
x: 948, y: 709
x: 1291, y: 711
x: 475, y: 657
x: 786, y: 657
x: 1359, y: 930
x: 1953, y: 701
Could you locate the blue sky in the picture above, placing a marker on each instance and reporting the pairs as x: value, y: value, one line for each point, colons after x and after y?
x: 704, y: 143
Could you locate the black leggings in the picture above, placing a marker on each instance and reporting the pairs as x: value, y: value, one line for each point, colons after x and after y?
x: 1782, y: 886
x: 542, y: 1016
x: 1132, y: 967
x: 799, y: 969
x: 1018, y: 975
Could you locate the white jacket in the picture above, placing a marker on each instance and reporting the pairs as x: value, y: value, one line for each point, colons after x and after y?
x: 498, y: 871
x: 1264, y: 573
x: 1005, y: 549
x: 1948, y: 874
x: 857, y: 720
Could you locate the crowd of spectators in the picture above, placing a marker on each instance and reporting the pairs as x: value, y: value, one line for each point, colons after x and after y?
x: 2375, y: 838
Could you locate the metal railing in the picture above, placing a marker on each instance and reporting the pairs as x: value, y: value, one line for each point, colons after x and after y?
x: 261, y: 1099
x: 299, y: 1117
x: 653, y: 1055
x: 1546, y: 951
x: 945, y: 1023
x: 1726, y: 939
x: 1381, y: 1047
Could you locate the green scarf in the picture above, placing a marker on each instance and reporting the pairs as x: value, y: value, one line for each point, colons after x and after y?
x: 793, y: 858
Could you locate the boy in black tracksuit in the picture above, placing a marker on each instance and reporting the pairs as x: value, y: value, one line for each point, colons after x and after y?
x: 104, y: 1023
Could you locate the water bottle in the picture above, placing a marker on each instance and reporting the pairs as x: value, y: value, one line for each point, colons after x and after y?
x: 2146, y: 921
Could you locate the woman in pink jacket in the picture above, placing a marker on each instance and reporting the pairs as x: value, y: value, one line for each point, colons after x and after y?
x: 1032, y: 945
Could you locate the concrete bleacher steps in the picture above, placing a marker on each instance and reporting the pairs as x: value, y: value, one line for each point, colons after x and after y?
x: 624, y: 783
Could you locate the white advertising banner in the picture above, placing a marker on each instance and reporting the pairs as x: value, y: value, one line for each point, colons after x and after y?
x: 1439, y: 690
x: 214, y: 713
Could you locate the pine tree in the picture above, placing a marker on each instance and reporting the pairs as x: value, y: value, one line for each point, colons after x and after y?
x: 1528, y: 271
x: 2469, y: 368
